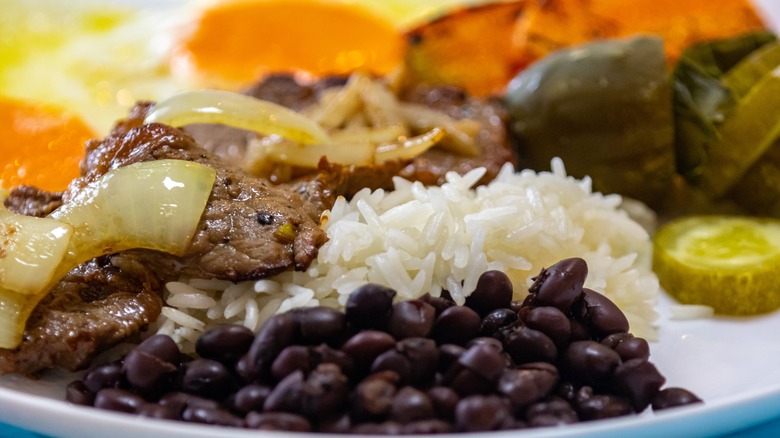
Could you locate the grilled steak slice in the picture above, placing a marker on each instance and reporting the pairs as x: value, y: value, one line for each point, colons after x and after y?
x: 32, y: 201
x: 112, y: 298
x: 249, y: 229
x: 97, y: 305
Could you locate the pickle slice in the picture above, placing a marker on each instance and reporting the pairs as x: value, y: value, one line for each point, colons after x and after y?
x: 731, y: 263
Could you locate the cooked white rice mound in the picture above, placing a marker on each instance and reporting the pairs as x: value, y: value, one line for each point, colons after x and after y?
x: 419, y: 239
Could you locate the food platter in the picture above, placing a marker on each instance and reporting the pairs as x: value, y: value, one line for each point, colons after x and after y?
x: 729, y: 362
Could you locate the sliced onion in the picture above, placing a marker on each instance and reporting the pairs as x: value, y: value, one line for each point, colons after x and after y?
x: 30, y: 250
x: 409, y: 148
x: 460, y: 133
x: 154, y: 205
x: 308, y: 155
x: 339, y: 105
x: 237, y: 110
x: 387, y: 134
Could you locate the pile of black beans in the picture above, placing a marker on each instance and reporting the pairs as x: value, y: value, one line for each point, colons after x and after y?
x: 561, y: 355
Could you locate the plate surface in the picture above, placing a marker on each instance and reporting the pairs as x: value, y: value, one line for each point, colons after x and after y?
x: 731, y: 363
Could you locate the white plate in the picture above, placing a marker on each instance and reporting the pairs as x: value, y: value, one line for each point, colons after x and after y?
x: 731, y: 363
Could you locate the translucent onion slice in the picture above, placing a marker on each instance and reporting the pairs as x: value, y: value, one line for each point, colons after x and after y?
x: 409, y: 148
x: 308, y: 155
x: 30, y: 250
x: 350, y: 153
x: 155, y: 205
x: 460, y: 133
x: 237, y: 110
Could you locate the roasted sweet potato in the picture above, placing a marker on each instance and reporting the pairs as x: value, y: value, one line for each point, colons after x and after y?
x: 470, y: 47
x: 547, y: 25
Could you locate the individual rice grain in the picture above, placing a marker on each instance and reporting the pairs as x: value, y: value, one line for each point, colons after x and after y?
x: 419, y: 240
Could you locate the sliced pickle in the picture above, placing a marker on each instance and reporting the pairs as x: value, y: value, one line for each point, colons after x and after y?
x: 730, y: 263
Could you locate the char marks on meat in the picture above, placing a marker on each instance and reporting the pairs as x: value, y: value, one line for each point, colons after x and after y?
x: 32, y: 201
x: 238, y: 236
x: 112, y: 298
x: 96, y: 306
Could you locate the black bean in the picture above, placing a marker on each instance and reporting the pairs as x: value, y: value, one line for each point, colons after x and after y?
x: 673, y: 397
x: 147, y: 373
x: 250, y: 398
x: 529, y: 384
x: 483, y: 360
x: 525, y: 344
x: 280, y: 421
x: 373, y: 397
x: 339, y: 425
x: 225, y: 343
x: 207, y: 378
x: 427, y: 427
x: 366, y: 345
x: 423, y: 357
x: 323, y: 353
x: 216, y: 417
x: 119, y: 400
x: 410, y: 404
x: 600, y: 314
x: 320, y: 325
x: 78, y: 393
x: 439, y: 303
x: 286, y: 395
x: 278, y: 332
x: 413, y: 318
x: 479, y: 413
x: 369, y: 306
x: 592, y: 406
x: 456, y: 325
x: 324, y: 392
x: 551, y: 412
x: 488, y: 341
x: 443, y: 401
x: 104, y: 376
x: 590, y: 362
x: 384, y: 428
x: 550, y: 321
x: 628, y: 346
x: 160, y: 346
x: 162, y: 412
x: 496, y: 320
x: 292, y: 358
x: 392, y: 360
x: 560, y: 285
x: 448, y: 355
x: 181, y: 400
x: 640, y: 381
x: 494, y: 291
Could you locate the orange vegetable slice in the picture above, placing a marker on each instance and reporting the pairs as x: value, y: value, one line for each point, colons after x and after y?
x: 470, y: 47
x: 40, y: 144
x: 548, y: 25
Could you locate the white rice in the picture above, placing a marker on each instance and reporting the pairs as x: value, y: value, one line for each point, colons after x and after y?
x: 419, y: 239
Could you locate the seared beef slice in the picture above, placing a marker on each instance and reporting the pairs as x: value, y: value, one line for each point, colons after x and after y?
x: 248, y: 231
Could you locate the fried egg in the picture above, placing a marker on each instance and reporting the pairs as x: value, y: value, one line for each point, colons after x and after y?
x: 69, y: 70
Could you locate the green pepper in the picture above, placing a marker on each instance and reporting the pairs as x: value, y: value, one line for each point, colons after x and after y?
x: 605, y: 108
x: 721, y: 119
